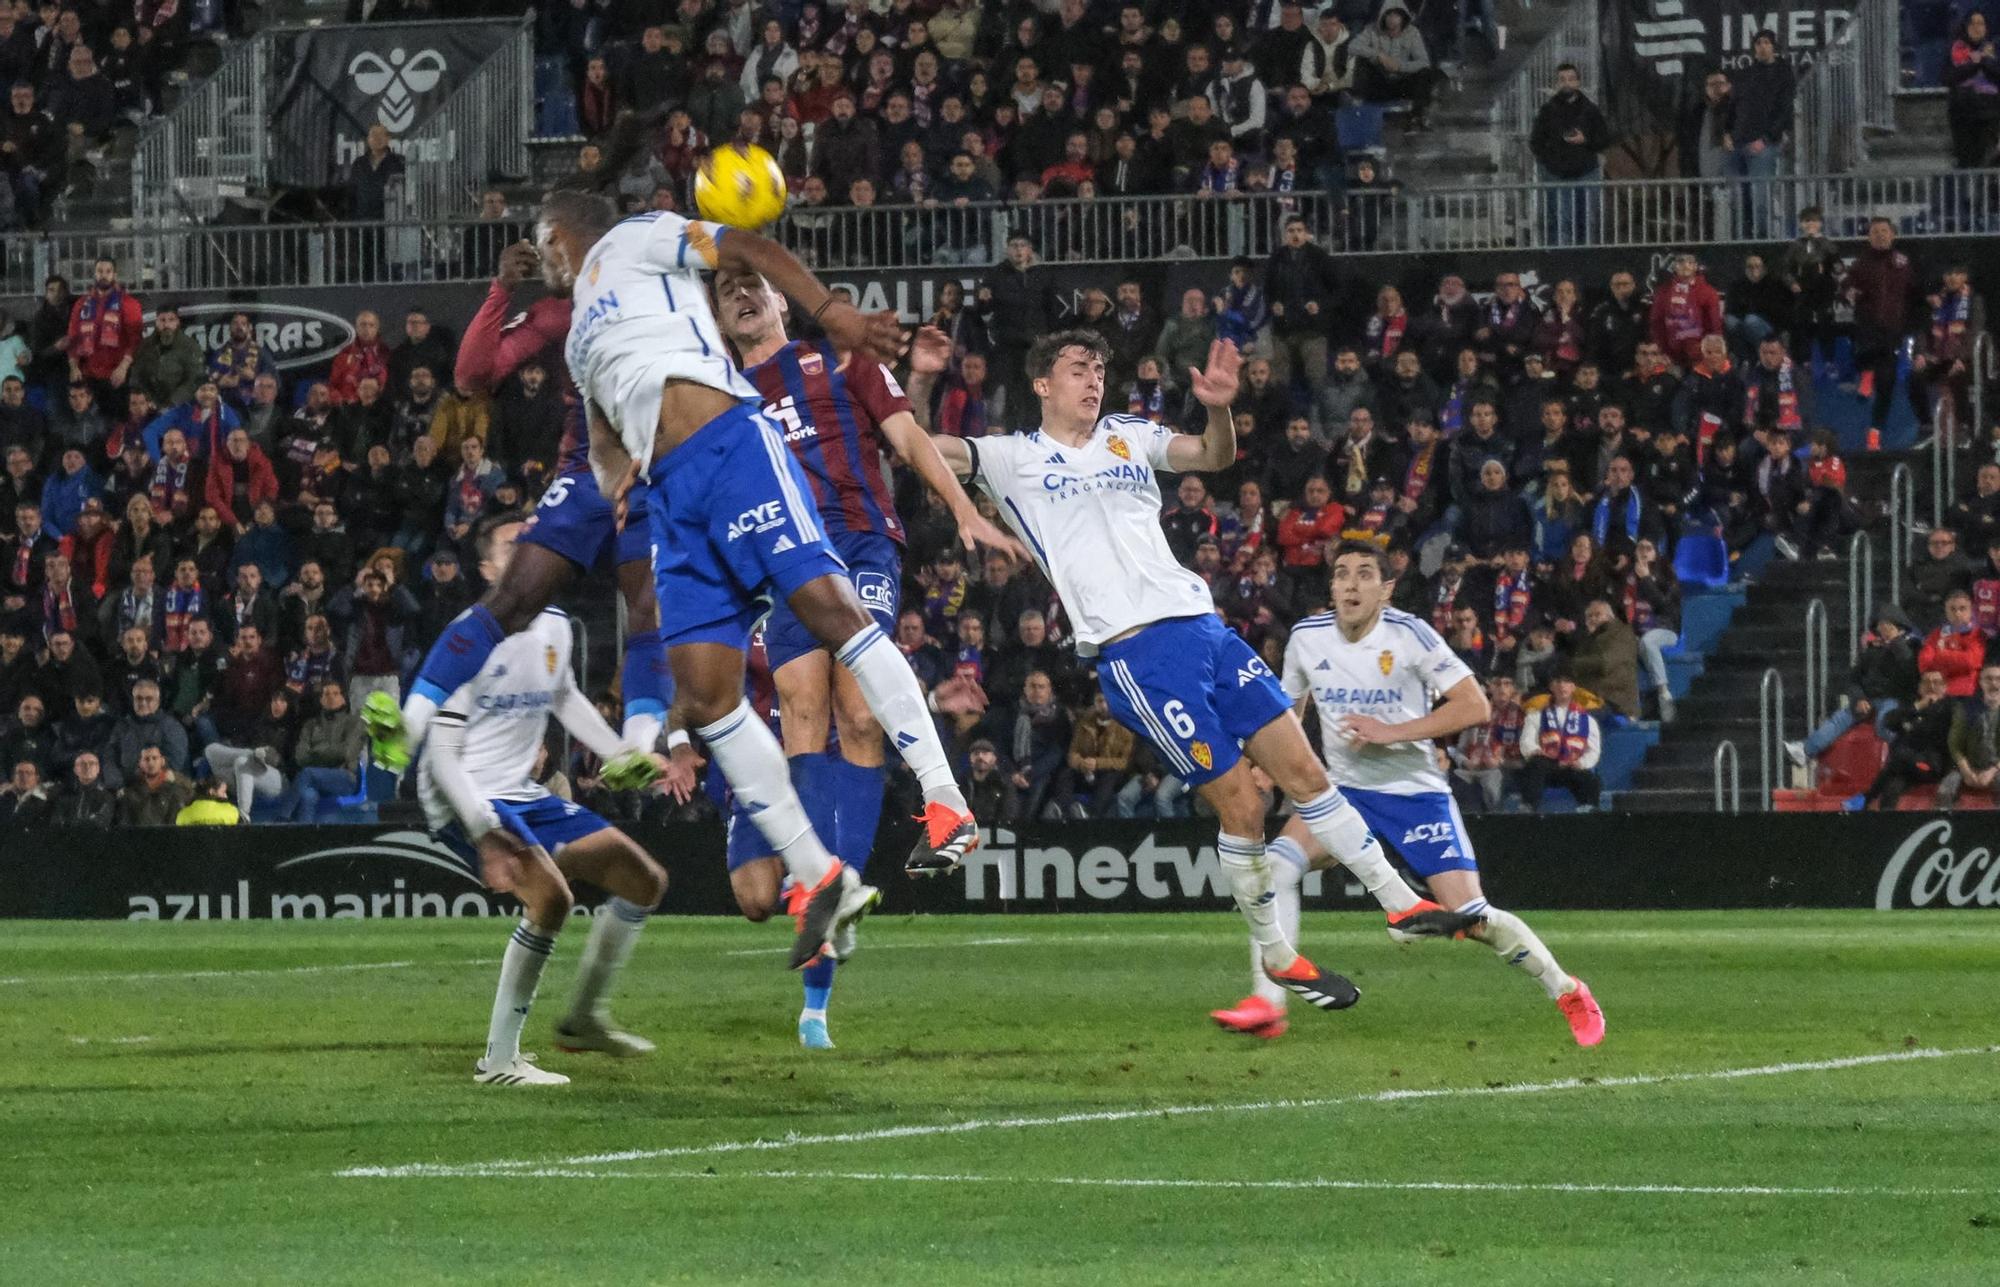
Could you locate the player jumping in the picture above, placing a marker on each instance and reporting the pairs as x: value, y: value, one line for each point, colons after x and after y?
x: 837, y: 411
x: 519, y: 839
x: 731, y: 524
x: 573, y: 532
x: 1372, y: 671
x: 1083, y: 492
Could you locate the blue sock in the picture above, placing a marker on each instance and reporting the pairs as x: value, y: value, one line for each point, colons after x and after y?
x: 812, y: 778
x: 818, y: 978
x: 858, y: 787
x: 458, y: 655
x: 647, y: 682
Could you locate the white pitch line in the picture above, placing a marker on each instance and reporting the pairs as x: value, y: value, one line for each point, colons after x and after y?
x: 1123, y: 1182
x: 977, y: 1125
x: 109, y: 1041
x: 168, y: 976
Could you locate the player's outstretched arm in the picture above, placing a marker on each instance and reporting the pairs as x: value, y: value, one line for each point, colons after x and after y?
x: 443, y: 750
x: 1214, y: 388
x: 923, y: 453
x: 1464, y: 705
x: 875, y: 335
x: 580, y: 717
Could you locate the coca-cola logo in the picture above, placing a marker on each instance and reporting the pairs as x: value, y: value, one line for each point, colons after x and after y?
x: 1926, y: 871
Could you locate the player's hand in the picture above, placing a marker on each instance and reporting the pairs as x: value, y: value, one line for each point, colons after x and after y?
x: 960, y: 695
x: 975, y: 530
x: 501, y: 855
x: 1216, y: 387
x: 930, y: 351
x: 680, y: 773
x: 518, y: 262
x: 1364, y: 730
x: 876, y: 335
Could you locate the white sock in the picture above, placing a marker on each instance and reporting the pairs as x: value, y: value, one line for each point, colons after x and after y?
x: 1250, y: 882
x: 417, y: 712
x: 1513, y: 942
x: 1288, y: 868
x: 897, y: 702
x: 613, y: 933
x: 520, y: 970
x: 1336, y: 824
x: 755, y: 766
x: 642, y: 731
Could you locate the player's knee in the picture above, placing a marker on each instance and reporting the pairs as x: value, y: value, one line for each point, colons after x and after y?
x: 829, y: 609
x: 549, y: 904
x: 755, y: 910
x: 651, y: 881
x: 700, y: 709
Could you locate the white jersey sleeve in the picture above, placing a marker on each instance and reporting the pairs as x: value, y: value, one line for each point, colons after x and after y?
x: 674, y: 244
x: 1440, y: 668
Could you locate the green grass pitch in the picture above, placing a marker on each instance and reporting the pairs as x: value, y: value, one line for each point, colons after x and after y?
x: 1783, y: 1098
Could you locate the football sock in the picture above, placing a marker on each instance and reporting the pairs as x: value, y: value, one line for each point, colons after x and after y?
x: 520, y: 970
x: 453, y: 661
x: 818, y: 979
x: 648, y: 686
x: 812, y: 778
x: 858, y: 788
x: 1511, y: 939
x: 1288, y: 868
x: 755, y: 768
x: 613, y: 932
x: 1335, y: 824
x: 898, y: 705
x: 1250, y: 883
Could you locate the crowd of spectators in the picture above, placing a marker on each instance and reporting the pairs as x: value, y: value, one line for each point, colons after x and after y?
x: 922, y: 103
x: 76, y: 74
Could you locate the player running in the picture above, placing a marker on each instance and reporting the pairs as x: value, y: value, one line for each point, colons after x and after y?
x: 481, y: 802
x: 837, y: 412
x: 731, y: 525
x: 1372, y: 672
x: 1084, y: 494
x: 573, y: 532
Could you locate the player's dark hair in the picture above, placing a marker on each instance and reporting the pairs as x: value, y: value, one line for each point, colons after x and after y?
x: 483, y: 530
x: 1042, y: 354
x: 1367, y: 549
x: 587, y: 213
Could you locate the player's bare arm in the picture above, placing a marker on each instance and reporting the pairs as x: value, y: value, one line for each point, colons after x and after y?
x: 1464, y: 705
x: 921, y: 452
x: 878, y: 335
x: 930, y: 353
x: 610, y: 463
x: 1214, y: 388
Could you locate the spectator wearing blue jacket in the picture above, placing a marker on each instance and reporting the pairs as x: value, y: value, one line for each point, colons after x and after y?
x: 267, y: 545
x: 207, y: 421
x: 65, y: 492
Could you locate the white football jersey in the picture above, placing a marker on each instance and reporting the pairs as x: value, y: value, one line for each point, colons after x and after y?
x: 506, y: 710
x: 1091, y: 514
x: 640, y: 317
x: 1395, y: 673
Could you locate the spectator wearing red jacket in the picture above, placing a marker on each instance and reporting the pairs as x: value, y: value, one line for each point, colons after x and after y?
x: 240, y: 478
x: 365, y: 355
x: 105, y: 327
x: 1685, y: 308
x: 1955, y: 649
x: 89, y: 544
x: 1306, y: 530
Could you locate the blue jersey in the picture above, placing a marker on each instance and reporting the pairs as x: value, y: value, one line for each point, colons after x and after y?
x: 831, y: 415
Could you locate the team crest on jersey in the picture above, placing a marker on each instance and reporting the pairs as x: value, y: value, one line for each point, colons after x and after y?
x: 1387, y: 661
x: 549, y: 659
x: 811, y: 363
x: 1119, y: 449
x: 1202, y: 755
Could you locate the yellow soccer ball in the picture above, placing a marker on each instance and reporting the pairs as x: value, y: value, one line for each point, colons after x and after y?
x: 740, y: 186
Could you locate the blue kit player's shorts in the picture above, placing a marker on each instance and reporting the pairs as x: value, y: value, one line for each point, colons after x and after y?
x: 746, y: 843
x: 734, y: 526
x: 1192, y: 688
x: 549, y: 823
x: 1427, y: 830
x: 576, y: 521
x: 875, y: 566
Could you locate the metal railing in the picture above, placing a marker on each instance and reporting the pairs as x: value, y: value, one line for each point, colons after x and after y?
x: 1849, y: 90
x: 1860, y: 590
x: 1770, y: 730
x: 1816, y: 663
x: 1640, y: 215
x: 481, y: 131
x: 212, y: 145
x: 1574, y: 40
x: 1726, y: 749
x: 1902, y: 524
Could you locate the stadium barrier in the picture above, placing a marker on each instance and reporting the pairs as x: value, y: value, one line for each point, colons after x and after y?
x: 1597, y: 861
x: 1510, y: 218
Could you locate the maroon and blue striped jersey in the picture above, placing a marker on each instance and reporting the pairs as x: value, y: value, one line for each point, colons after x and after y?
x: 831, y: 413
